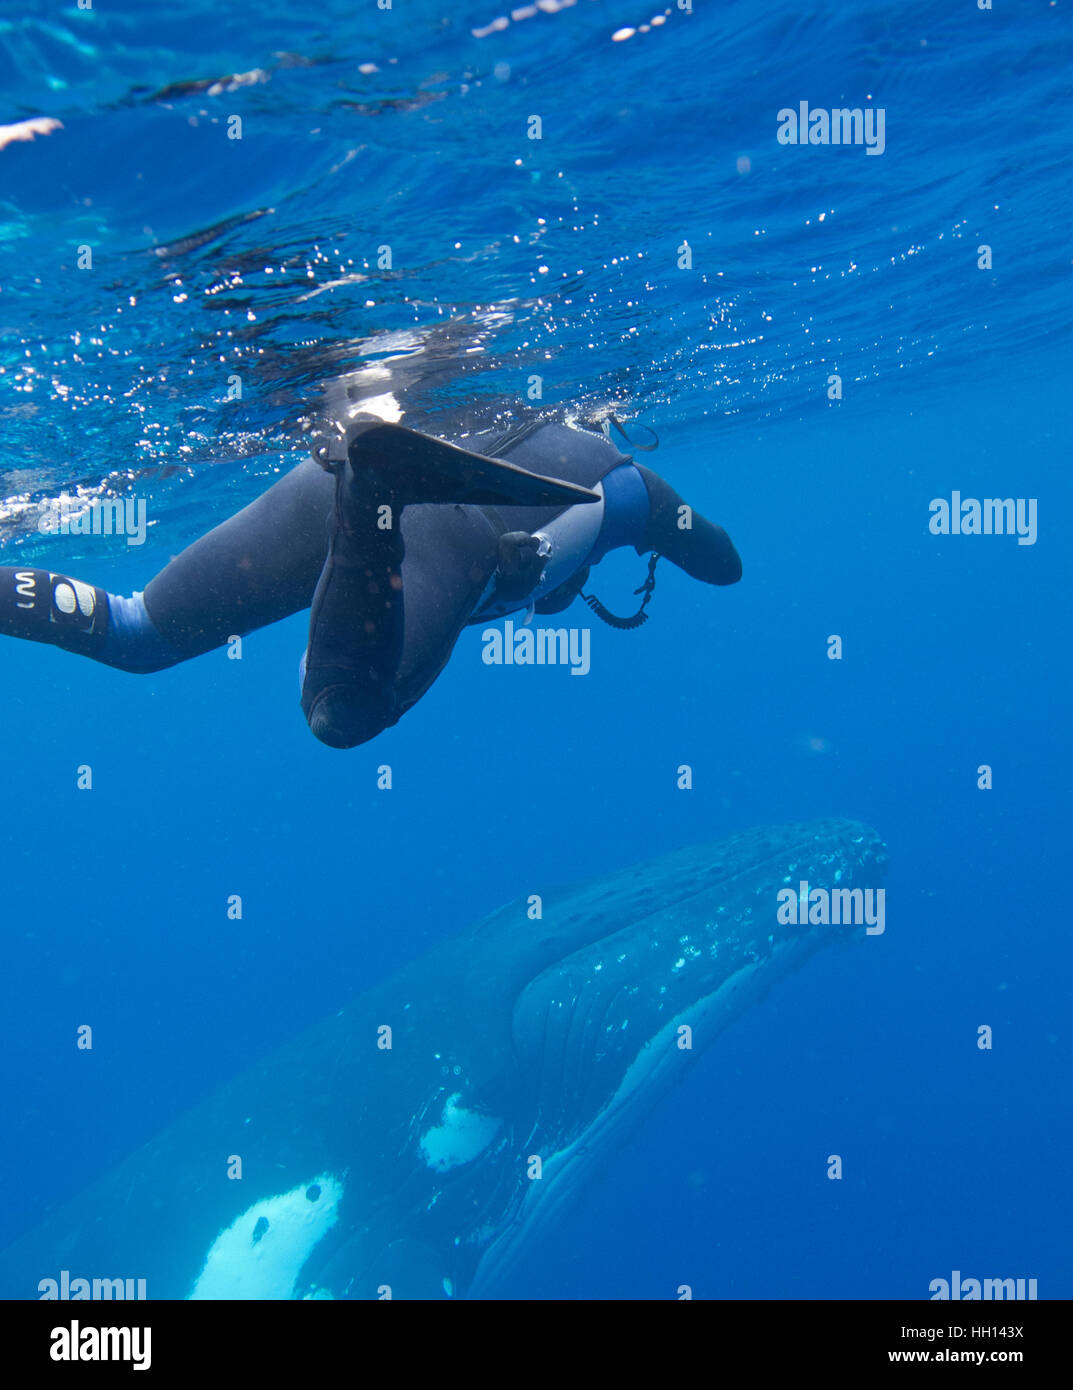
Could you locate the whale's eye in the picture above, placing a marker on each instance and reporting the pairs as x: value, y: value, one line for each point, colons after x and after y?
x: 260, y: 1228
x: 312, y: 1193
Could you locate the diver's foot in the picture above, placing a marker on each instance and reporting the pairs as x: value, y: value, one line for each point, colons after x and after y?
x: 416, y: 467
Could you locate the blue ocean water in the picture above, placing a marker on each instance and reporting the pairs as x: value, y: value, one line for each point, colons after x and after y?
x: 259, y: 259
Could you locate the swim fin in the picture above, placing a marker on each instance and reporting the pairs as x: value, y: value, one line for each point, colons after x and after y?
x: 420, y: 468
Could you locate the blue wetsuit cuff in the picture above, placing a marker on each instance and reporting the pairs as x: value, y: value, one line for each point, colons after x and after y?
x: 132, y: 642
x: 626, y: 511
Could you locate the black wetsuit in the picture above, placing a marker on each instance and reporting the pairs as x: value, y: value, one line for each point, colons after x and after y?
x: 266, y: 562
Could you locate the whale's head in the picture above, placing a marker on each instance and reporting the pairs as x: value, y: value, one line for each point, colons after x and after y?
x: 420, y: 1164
x: 529, y: 1048
x: 664, y: 956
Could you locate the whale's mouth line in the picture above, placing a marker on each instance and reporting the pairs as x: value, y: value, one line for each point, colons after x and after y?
x: 697, y: 1008
x: 754, y: 945
x: 539, y: 1204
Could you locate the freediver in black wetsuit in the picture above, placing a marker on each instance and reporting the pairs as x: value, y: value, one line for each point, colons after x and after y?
x: 396, y: 541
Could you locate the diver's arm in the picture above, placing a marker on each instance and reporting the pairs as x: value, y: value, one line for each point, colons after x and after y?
x: 703, y: 550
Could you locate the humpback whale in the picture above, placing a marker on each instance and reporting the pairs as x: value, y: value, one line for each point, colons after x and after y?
x: 412, y: 1144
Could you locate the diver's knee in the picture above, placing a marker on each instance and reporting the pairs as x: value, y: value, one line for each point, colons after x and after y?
x: 133, y: 666
x: 343, y: 718
x: 725, y: 562
x: 686, y: 538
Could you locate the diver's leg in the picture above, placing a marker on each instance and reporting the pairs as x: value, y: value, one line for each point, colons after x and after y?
x: 450, y: 560
x: 43, y: 606
x: 356, y: 628
x: 255, y: 568
x: 356, y: 622
x: 702, y: 549
x: 390, y: 616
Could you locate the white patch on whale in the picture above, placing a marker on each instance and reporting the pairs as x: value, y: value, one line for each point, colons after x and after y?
x: 459, y: 1137
x: 261, y: 1253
